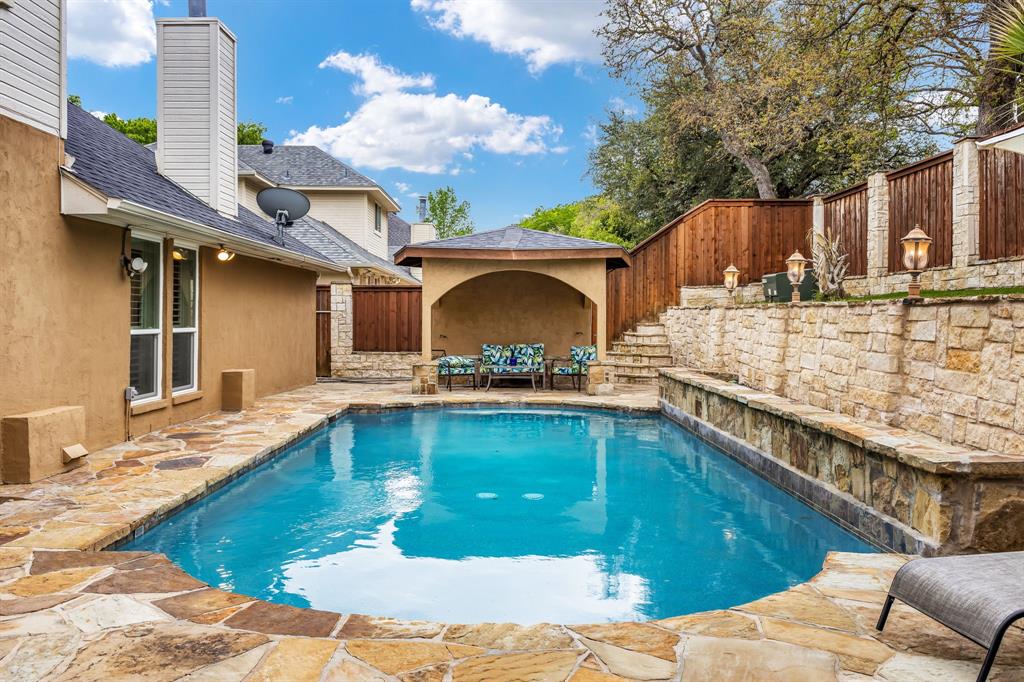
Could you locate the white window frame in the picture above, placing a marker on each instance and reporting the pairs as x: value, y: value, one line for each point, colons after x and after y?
x: 159, y: 331
x: 378, y: 218
x: 194, y: 330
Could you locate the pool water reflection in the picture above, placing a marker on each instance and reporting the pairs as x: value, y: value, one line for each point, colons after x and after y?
x: 520, y: 515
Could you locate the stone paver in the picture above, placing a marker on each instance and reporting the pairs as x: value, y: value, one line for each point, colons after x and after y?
x: 70, y: 613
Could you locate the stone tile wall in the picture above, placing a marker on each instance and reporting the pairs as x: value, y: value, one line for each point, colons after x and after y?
x: 346, y: 363
x: 950, y: 368
x: 901, y: 490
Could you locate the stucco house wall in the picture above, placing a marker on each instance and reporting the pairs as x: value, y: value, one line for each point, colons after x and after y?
x: 64, y: 327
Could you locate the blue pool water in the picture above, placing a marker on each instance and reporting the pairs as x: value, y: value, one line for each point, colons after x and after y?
x: 520, y: 515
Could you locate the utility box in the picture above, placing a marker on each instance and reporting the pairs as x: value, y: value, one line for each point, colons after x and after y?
x: 777, y: 288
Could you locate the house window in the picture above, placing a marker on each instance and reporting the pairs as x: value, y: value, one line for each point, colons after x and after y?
x: 146, y: 295
x: 184, y: 320
x: 376, y: 217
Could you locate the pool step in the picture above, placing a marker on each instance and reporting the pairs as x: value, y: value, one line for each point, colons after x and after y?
x: 637, y: 357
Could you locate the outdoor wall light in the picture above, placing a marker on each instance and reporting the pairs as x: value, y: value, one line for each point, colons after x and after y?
x: 177, y: 254
x: 224, y: 255
x: 915, y: 258
x: 795, y: 266
x: 732, y: 278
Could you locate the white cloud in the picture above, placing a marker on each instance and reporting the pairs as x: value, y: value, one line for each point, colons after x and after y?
x: 98, y: 114
x: 285, y: 99
x: 590, y: 133
x: 423, y: 131
x: 111, y: 32
x: 619, y: 105
x: 403, y: 187
x: 375, y: 78
x: 540, y: 33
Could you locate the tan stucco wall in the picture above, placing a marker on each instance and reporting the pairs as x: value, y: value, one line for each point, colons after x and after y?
x: 63, y: 300
x: 441, y: 275
x: 253, y: 315
x: 511, y: 307
x: 64, y: 308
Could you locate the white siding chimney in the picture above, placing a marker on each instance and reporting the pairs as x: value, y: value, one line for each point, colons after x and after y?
x: 195, y: 105
x: 33, y: 64
x: 422, y: 232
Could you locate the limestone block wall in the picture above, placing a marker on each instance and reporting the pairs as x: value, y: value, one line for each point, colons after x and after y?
x: 347, y: 363
x: 950, y: 368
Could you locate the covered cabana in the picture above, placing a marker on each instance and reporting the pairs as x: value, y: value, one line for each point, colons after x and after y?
x: 513, y: 285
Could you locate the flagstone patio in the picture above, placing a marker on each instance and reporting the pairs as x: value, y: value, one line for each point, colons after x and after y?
x: 69, y: 612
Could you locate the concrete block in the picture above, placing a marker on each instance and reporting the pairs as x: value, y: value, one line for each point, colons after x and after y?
x: 238, y: 389
x: 32, y: 443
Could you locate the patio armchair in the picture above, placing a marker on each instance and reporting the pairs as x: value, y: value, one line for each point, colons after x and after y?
x: 575, y: 367
x: 978, y: 596
x: 458, y: 365
x: 516, y: 361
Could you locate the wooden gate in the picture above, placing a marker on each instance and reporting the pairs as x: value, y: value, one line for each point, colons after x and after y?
x: 323, y: 331
x: 387, y: 319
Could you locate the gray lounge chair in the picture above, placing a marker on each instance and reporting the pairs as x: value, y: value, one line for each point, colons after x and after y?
x: 978, y: 596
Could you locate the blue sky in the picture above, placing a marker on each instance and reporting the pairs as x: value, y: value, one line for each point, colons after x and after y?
x: 497, y: 98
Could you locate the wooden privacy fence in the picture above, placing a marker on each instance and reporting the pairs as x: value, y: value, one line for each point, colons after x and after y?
x: 386, y: 319
x: 1001, y: 195
x: 846, y: 216
x: 756, y: 235
x: 922, y: 194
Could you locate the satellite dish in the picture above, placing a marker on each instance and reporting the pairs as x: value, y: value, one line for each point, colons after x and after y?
x: 285, y: 206
x: 273, y: 200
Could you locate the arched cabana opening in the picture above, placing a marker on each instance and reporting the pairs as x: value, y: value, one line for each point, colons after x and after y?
x: 513, y: 286
x: 512, y: 306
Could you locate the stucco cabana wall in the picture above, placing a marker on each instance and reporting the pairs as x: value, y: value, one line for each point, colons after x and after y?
x: 510, y: 303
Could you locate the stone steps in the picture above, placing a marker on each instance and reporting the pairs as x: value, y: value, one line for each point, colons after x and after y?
x: 644, y: 359
x: 641, y: 348
x: 636, y: 358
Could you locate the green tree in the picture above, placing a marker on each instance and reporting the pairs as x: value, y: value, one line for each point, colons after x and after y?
x: 141, y: 129
x: 771, y: 79
x: 449, y: 215
x: 75, y: 99
x: 250, y: 132
x: 592, y: 218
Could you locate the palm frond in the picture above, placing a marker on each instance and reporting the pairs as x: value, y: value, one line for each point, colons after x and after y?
x: 1007, y: 31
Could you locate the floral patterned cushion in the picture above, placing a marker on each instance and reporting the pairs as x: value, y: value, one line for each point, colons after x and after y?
x: 579, y: 357
x: 496, y: 354
x: 456, y: 364
x: 529, y: 355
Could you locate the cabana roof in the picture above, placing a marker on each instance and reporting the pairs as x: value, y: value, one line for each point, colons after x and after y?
x: 513, y: 243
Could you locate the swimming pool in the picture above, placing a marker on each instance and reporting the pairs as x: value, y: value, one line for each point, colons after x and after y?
x: 519, y: 515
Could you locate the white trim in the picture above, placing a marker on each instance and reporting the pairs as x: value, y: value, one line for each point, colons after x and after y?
x: 194, y: 330
x: 63, y: 19
x: 149, y: 331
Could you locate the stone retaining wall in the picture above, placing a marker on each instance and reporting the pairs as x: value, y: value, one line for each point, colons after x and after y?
x: 899, y: 489
x: 950, y: 368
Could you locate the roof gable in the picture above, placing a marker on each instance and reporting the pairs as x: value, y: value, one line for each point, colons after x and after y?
x: 301, y: 166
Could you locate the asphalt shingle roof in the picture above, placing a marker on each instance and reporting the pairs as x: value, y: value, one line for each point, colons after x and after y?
x: 339, y: 248
x: 399, y: 231
x: 301, y: 166
x: 121, y: 168
x: 515, y: 237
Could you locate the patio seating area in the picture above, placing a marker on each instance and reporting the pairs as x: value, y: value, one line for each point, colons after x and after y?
x: 517, y: 361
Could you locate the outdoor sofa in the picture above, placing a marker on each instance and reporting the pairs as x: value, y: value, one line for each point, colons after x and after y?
x: 977, y: 595
x: 515, y: 361
x: 575, y: 367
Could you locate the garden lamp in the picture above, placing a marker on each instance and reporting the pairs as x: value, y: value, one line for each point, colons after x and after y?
x: 732, y: 278
x: 915, y: 258
x: 795, y: 266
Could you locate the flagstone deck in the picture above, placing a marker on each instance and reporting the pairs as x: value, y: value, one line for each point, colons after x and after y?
x: 70, y: 613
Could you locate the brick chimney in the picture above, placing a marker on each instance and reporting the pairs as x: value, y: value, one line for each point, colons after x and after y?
x: 196, y: 119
